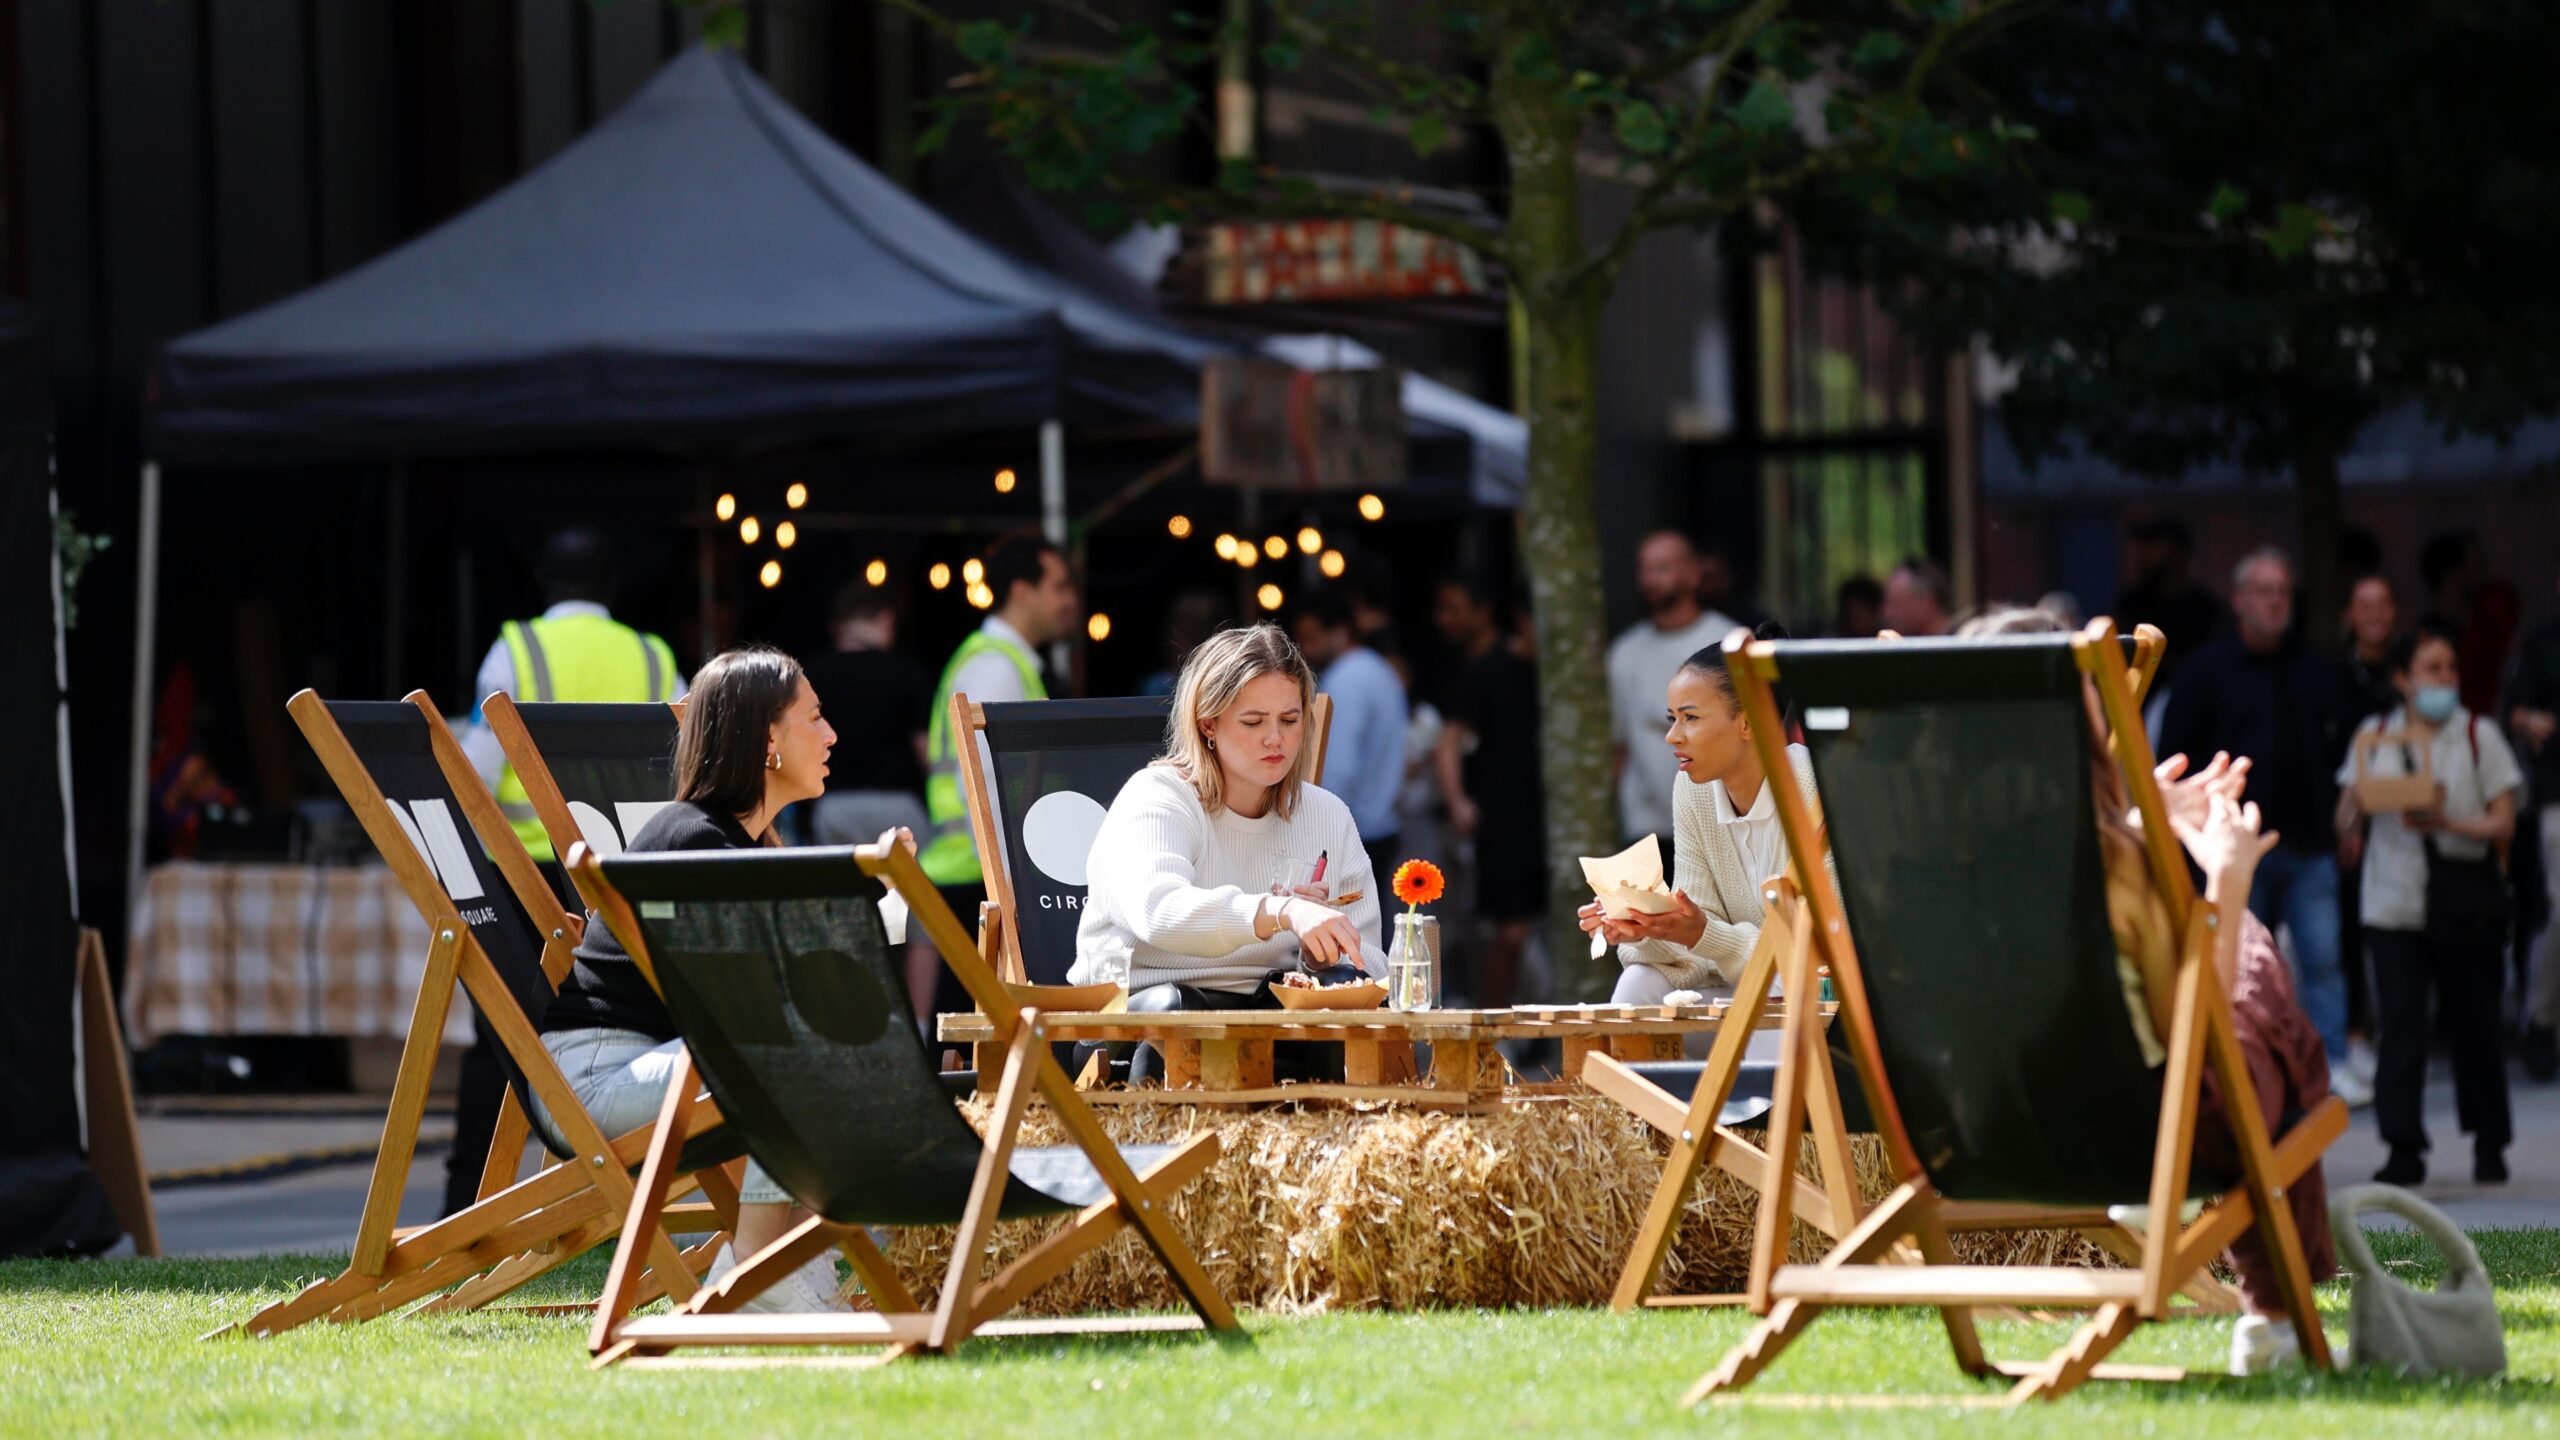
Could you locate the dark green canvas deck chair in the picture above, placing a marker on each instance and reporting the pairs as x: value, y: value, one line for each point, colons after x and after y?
x: 1058, y: 766
x: 777, y: 968
x: 591, y: 771
x: 407, y: 781
x: 1976, y: 971
x: 1699, y: 1106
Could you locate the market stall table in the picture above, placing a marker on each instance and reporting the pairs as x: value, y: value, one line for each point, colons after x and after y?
x: 271, y: 949
x: 1225, y: 1057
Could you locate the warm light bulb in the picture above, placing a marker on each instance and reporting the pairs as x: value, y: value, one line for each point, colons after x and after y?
x: 1179, y: 527
x: 1247, y: 557
x: 726, y: 507
x: 981, y: 596
x: 1270, y: 597
x: 786, y: 535
x: 1276, y: 546
x: 974, y: 571
x: 1372, y: 508
x: 1004, y: 481
x: 796, y: 496
x: 1310, y: 540
x: 1226, y: 547
x: 748, y: 530
x: 939, y: 577
x: 1098, y: 625
x: 771, y: 574
x: 877, y: 573
x: 1331, y: 563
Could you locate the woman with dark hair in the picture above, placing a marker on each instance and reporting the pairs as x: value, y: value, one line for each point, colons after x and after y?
x: 2288, y: 1065
x: 752, y: 741
x: 1725, y: 845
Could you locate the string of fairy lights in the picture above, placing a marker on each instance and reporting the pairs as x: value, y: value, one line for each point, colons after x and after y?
x: 1241, y: 551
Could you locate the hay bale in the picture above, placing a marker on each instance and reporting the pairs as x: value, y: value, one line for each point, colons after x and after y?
x: 1534, y: 1204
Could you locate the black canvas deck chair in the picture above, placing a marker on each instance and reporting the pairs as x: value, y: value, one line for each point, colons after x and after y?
x: 414, y: 792
x: 776, y: 966
x: 1058, y: 766
x: 1699, y: 1105
x: 1976, y: 972
x: 592, y: 772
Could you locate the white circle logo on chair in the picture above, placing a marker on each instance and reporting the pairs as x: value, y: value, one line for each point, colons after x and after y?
x: 1059, y: 833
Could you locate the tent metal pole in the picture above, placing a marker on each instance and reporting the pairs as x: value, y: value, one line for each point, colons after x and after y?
x: 146, y: 634
x: 1053, y: 511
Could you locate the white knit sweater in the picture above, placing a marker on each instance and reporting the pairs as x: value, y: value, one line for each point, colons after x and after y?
x: 1172, y: 890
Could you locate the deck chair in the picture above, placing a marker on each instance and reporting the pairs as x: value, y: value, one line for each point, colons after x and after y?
x: 1058, y: 766
x: 1954, y: 776
x: 478, y: 901
x: 1699, y: 1105
x: 778, y: 969
x: 593, y: 772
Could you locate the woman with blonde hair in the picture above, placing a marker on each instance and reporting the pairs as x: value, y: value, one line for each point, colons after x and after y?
x: 1187, y: 903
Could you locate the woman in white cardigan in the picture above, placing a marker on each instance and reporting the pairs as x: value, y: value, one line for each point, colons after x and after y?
x: 1180, y: 903
x: 1725, y: 843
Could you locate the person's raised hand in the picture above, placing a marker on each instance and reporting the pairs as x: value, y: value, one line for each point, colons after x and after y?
x: 2185, y: 795
x: 900, y: 836
x: 2230, y: 843
x: 1324, y: 936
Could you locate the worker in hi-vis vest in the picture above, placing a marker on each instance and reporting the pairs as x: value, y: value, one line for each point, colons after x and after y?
x: 1035, y: 606
x: 574, y: 650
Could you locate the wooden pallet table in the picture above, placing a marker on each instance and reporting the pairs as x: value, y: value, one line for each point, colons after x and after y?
x: 1224, y: 1056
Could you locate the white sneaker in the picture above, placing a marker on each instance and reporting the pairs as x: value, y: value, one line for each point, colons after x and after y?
x: 2351, y: 1087
x: 809, y: 1290
x: 2262, y: 1344
x: 2361, y: 1061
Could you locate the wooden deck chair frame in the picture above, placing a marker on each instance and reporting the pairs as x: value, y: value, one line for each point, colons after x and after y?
x: 2170, y: 1254
x: 996, y: 915
x: 1806, y: 1089
x: 517, y: 1230
x: 966, y: 1305
x: 541, y: 788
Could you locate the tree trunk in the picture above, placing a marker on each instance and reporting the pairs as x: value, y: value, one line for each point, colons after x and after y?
x: 2315, y: 478
x: 1559, y: 522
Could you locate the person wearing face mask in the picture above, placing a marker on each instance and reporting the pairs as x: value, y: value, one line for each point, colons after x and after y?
x: 1184, y: 900
x: 2435, y: 911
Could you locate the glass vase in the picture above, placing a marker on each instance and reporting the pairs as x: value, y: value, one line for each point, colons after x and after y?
x: 1413, y: 963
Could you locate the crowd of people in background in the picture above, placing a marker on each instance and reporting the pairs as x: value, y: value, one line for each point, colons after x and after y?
x: 2406, y: 930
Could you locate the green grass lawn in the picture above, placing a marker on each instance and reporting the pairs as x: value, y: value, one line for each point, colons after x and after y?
x: 109, y: 1348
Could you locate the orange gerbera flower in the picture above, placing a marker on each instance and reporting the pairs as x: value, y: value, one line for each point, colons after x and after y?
x: 1418, y: 882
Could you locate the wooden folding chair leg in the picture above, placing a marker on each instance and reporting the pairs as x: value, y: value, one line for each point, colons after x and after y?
x: 1098, y: 1223
x: 2266, y: 1182
x: 1935, y: 1249
x: 506, y: 1147
x: 951, y: 1321
x: 1887, y: 1224
x: 408, y: 1104
x: 2078, y: 1359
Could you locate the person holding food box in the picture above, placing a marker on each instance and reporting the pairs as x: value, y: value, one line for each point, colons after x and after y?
x: 2440, y: 788
x: 1221, y: 869
x: 1725, y: 844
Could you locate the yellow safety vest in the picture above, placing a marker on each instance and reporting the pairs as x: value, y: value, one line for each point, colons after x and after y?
x: 950, y: 854
x: 586, y: 658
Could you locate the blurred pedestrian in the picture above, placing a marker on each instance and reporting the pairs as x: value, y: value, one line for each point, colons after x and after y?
x: 1857, y: 609
x: 1918, y: 599
x: 2372, y: 624
x: 1489, y: 772
x: 573, y: 651
x: 1364, y: 756
x: 2533, y: 708
x: 881, y: 706
x: 2436, y: 910
x: 2164, y: 593
x: 2263, y: 694
x: 1675, y: 626
x: 2483, y: 612
x: 1035, y: 606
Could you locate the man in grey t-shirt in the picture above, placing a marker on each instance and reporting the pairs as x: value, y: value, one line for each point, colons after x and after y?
x: 1641, y: 663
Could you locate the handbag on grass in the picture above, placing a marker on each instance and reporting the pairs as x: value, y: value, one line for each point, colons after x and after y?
x: 2391, y: 1325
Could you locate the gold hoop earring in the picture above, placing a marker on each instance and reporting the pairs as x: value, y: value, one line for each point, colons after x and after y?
x: 773, y: 759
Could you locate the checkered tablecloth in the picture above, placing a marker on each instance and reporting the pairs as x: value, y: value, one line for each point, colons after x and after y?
x: 236, y: 949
